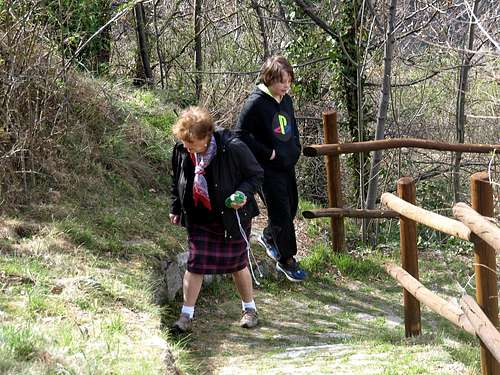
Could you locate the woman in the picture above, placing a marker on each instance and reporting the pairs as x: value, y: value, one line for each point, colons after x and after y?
x: 208, y: 166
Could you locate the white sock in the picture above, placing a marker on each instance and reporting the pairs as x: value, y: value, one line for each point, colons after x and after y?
x: 188, y: 310
x: 248, y: 305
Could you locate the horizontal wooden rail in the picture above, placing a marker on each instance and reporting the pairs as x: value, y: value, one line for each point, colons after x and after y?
x: 434, y: 302
x: 486, y: 331
x: 431, y: 219
x: 480, y: 225
x: 384, y: 144
x: 348, y: 212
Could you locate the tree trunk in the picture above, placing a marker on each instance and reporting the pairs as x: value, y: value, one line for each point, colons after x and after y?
x: 262, y: 26
x: 460, y: 114
x: 282, y: 14
x: 198, y: 64
x: 352, y: 85
x: 146, y: 74
x: 161, y: 60
x: 351, y: 80
x: 383, y: 105
x: 104, y: 54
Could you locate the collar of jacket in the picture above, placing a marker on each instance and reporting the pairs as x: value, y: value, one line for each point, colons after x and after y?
x: 265, y: 90
x: 222, y: 138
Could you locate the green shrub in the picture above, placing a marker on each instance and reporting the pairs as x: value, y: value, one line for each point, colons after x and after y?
x: 319, y: 259
x: 356, y: 268
x: 76, y: 21
x: 163, y: 121
x: 19, y: 343
x: 322, y: 259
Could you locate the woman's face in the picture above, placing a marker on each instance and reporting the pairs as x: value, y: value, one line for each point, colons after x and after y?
x: 196, y: 146
x: 280, y: 88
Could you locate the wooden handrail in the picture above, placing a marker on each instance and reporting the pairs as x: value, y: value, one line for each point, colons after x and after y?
x: 481, y: 318
x: 385, y: 144
x: 486, y: 331
x: 349, y: 212
x: 422, y: 216
x: 433, y: 301
x: 482, y: 228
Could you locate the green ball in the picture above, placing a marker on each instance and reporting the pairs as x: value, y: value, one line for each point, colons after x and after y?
x: 237, y: 197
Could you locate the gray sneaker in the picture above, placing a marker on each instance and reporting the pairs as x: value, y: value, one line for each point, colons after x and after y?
x: 249, y: 318
x: 183, y: 324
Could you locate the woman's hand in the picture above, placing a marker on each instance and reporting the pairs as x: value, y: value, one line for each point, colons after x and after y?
x: 174, y: 219
x: 237, y: 205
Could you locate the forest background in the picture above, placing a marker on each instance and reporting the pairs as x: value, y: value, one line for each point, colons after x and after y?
x: 398, y: 69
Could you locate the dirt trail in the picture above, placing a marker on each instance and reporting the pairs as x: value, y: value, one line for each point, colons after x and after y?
x: 317, y: 327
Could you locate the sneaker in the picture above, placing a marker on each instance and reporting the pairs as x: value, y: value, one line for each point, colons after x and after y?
x: 271, y: 250
x: 249, y: 318
x: 183, y: 324
x: 292, y: 271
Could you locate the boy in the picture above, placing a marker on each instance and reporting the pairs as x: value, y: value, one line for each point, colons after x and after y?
x: 267, y: 125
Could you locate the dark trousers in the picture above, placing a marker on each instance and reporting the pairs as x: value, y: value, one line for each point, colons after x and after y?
x: 281, y: 198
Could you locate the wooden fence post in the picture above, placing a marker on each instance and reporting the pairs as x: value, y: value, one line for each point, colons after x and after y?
x: 485, y: 267
x: 332, y: 163
x: 409, y: 257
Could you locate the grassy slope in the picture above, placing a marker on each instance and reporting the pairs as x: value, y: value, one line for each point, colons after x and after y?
x: 75, y: 296
x: 78, y: 281
x: 78, y: 268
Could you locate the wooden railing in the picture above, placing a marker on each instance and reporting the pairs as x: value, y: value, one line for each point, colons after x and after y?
x: 331, y: 150
x: 479, y: 318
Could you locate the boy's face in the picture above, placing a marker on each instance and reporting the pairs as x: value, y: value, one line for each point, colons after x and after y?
x: 280, y: 88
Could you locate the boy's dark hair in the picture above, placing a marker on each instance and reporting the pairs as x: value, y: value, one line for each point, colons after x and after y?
x: 272, y: 69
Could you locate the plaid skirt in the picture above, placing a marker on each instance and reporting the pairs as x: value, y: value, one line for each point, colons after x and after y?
x: 211, y: 253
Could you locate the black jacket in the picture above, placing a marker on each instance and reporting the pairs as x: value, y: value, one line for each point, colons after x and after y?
x: 264, y: 125
x: 233, y: 167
